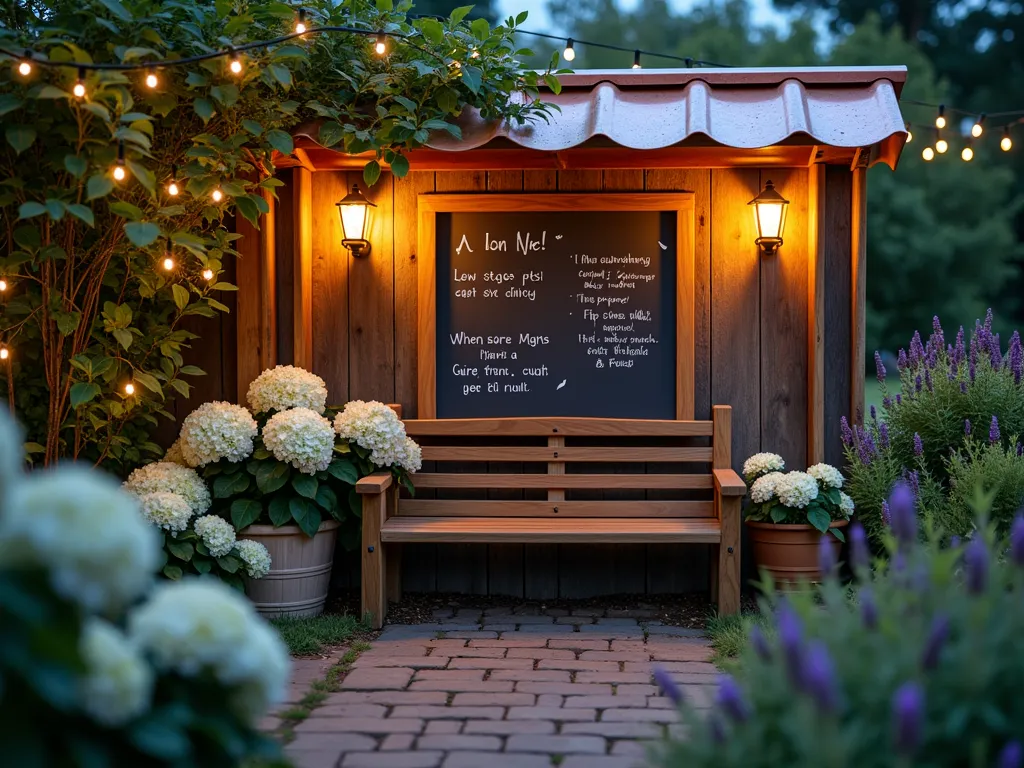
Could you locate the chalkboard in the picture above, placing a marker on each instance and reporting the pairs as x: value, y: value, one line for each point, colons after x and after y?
x: 556, y: 313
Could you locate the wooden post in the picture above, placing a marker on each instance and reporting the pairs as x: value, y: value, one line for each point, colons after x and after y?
x: 256, y: 329
x: 302, y: 255
x: 725, y: 588
x: 858, y: 279
x: 268, y: 284
x: 374, y: 563
x: 816, y: 315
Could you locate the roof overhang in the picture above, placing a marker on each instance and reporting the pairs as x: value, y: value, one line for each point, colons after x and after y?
x: 677, y: 118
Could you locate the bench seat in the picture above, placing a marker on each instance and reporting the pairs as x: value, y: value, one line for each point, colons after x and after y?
x: 537, y: 530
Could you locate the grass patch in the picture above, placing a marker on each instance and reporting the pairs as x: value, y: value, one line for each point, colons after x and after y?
x: 729, y: 635
x: 305, y: 637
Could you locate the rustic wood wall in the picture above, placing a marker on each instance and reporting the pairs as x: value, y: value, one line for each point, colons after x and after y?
x: 769, y: 332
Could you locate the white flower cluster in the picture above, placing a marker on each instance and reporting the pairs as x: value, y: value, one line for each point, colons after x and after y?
x: 217, y: 534
x: 168, y: 477
x: 827, y: 475
x: 845, y: 504
x: 409, y: 456
x: 254, y: 557
x: 378, y: 429
x: 175, y: 455
x: 118, y: 684
x: 300, y: 437
x: 166, y: 510
x: 215, y: 431
x: 796, y: 489
x: 85, y: 530
x: 764, y: 487
x: 202, y: 625
x: 284, y: 387
x: 761, y: 464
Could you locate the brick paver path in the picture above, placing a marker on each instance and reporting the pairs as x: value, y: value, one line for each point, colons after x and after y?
x: 506, y: 690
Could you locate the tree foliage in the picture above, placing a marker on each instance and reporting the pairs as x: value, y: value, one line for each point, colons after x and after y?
x: 92, y: 304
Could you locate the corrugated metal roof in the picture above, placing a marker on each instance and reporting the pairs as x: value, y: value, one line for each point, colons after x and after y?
x: 852, y: 108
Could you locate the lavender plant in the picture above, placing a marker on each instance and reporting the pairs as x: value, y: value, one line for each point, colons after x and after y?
x: 952, y: 424
x: 918, y: 664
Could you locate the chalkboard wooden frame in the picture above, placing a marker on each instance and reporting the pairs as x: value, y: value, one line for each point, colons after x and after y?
x: 429, y: 205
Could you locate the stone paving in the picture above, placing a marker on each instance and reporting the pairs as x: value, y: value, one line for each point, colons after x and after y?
x: 499, y: 689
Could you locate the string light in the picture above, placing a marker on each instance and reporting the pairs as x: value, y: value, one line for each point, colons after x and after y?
x: 977, y: 129
x: 910, y: 134
x: 382, y: 45
x: 5, y: 353
x: 300, y: 23
x: 236, y: 63
x: 3, y: 285
x: 79, y: 89
x: 928, y: 154
x: 168, y: 263
x: 941, y: 145
x: 25, y: 65
x: 119, y: 172
x: 129, y: 389
x: 172, y: 187
x: 152, y: 81
x: 636, y: 59
x: 940, y: 119
x: 217, y: 195
x: 569, y: 53
x: 1006, y: 143
x: 207, y: 275
x: 967, y: 153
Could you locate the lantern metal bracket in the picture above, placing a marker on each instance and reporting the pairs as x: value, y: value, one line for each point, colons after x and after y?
x: 769, y: 245
x: 358, y: 248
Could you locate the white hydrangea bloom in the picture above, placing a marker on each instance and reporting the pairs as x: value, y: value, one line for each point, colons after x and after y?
x: 410, y: 456
x: 827, y: 475
x: 215, y: 431
x: 85, y: 530
x: 254, y: 556
x: 166, y: 510
x: 175, y: 455
x: 764, y: 487
x: 200, y: 625
x: 217, y: 534
x: 845, y: 504
x: 300, y: 437
x: 285, y: 387
x: 168, y: 477
x: 376, y: 428
x: 796, y: 489
x: 118, y: 683
x: 762, y: 463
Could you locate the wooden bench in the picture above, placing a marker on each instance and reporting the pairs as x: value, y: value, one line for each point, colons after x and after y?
x: 558, y: 443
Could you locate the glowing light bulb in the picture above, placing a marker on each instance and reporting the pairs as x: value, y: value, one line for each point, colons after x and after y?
x: 636, y: 59
x: 300, y: 22
x: 168, y: 264
x: 25, y: 68
x: 300, y: 28
x: 152, y: 81
x: 3, y: 286
x: 129, y: 388
x: 910, y: 136
x: 928, y: 154
x: 381, y: 46
x: 977, y: 130
x: 1006, y: 143
x: 172, y: 189
x: 967, y: 154
x: 941, y: 146
x: 79, y: 90
x: 217, y: 195
x: 236, y: 66
x: 119, y: 172
x: 4, y: 352
x: 207, y: 275
x: 940, y: 119
x: 569, y: 53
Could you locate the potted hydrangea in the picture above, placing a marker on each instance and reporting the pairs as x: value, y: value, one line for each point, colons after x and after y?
x: 283, y: 472
x: 789, y: 512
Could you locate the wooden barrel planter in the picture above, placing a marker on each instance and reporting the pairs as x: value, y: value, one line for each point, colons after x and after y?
x: 789, y: 552
x: 300, y: 570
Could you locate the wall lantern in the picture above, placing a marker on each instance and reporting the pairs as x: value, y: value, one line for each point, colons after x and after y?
x: 770, y: 217
x: 352, y: 208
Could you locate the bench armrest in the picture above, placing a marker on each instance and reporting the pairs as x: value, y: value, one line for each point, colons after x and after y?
x: 378, y: 482
x: 728, y: 483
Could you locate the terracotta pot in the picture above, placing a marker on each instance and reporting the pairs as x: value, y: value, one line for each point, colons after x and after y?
x: 300, y: 569
x: 789, y: 552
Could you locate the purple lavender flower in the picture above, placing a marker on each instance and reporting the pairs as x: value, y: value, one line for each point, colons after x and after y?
x: 790, y: 639
x: 847, y: 433
x: 972, y: 371
x: 730, y: 699
x: 1012, y: 756
x: 1017, y: 539
x: 883, y: 435
x: 936, y: 640
x: 917, y: 383
x: 913, y: 479
x: 760, y: 643
x: 879, y: 368
x: 860, y: 556
x: 918, y: 445
x: 958, y: 351
x: 899, y: 399
x: 908, y: 717
x: 868, y: 609
x: 993, y: 431
x: 819, y: 677
x: 951, y: 373
x: 866, y: 448
x: 976, y: 565
x: 901, y: 360
x: 886, y: 513
x: 954, y: 542
x: 988, y: 320
x: 995, y: 351
x: 1016, y: 355
x: 916, y: 350
x: 887, y: 402
x: 873, y: 412
x: 668, y: 686
x: 932, y: 358
x: 904, y: 516
x: 963, y: 387
x: 967, y: 427
x: 826, y: 557
x: 940, y: 339
x: 928, y: 380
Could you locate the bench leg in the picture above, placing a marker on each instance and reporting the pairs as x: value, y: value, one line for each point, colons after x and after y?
x: 728, y: 557
x: 393, y: 563
x: 374, y: 562
x: 713, y: 572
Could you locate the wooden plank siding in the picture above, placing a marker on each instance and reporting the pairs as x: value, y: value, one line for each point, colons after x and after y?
x: 768, y: 333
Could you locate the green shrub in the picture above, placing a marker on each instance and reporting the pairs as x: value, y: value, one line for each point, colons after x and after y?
x: 917, y: 664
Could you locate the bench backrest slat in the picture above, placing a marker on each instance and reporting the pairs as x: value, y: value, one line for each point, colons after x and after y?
x: 584, y: 482
x: 564, y: 454
x: 502, y: 508
x: 565, y: 426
